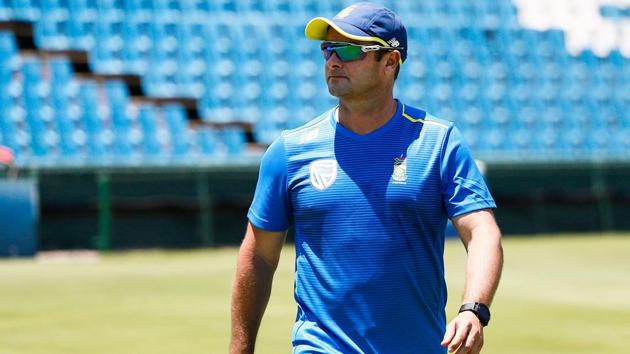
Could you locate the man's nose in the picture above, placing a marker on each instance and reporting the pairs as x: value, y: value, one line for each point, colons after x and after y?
x: 333, y: 60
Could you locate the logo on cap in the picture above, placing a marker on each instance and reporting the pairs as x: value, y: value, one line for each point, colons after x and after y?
x: 345, y: 12
x: 393, y: 42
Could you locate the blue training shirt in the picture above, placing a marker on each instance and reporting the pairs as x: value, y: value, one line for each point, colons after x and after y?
x: 369, y: 213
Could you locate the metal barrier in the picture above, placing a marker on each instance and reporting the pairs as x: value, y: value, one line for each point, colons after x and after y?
x: 192, y: 206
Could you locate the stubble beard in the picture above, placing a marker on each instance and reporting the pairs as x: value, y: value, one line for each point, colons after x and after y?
x: 338, y: 89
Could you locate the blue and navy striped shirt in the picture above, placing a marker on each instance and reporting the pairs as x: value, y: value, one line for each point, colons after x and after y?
x: 369, y: 213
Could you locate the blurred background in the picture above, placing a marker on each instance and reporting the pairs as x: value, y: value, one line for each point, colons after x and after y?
x: 135, y: 124
x: 140, y: 123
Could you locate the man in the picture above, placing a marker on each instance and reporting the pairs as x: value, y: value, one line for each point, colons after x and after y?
x: 368, y: 187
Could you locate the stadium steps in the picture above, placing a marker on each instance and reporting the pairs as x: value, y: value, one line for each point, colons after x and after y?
x: 24, y: 34
x: 53, y: 133
x: 133, y: 82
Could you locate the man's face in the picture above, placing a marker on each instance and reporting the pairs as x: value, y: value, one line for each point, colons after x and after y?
x: 354, y: 78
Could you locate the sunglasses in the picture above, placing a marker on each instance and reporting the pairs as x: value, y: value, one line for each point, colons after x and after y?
x: 349, y: 51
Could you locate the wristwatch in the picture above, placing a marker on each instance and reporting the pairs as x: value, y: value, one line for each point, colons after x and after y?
x: 482, y: 311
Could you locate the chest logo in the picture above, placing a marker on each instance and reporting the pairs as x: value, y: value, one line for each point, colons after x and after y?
x: 400, y: 170
x: 323, y: 173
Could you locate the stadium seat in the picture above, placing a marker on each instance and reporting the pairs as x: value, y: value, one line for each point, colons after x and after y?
x: 63, y: 84
x: 91, y: 119
x: 147, y: 118
x: 71, y: 138
x: 207, y: 141
x: 234, y: 140
x: 8, y: 128
x: 8, y: 51
x: 26, y: 10
x: 175, y: 116
x: 117, y: 94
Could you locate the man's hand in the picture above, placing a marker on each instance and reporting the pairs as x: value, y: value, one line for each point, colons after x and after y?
x: 482, y: 238
x: 464, y: 334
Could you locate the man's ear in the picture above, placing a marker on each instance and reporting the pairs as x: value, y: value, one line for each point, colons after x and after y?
x: 393, y: 60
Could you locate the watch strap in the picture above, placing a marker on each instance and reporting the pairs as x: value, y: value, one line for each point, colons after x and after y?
x: 480, y: 310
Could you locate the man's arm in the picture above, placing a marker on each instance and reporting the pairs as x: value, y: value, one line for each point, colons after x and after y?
x: 257, y: 261
x: 482, y: 239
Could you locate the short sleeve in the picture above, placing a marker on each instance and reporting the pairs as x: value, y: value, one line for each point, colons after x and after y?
x: 463, y: 187
x: 270, y: 208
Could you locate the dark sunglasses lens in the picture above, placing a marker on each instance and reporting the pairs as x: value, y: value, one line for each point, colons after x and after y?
x: 344, y: 52
x: 327, y: 52
x: 349, y: 53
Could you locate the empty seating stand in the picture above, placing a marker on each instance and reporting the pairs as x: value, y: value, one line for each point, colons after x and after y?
x: 517, y: 93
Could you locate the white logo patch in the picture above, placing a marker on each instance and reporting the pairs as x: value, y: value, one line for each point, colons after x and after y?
x: 323, y: 173
x: 400, y: 170
x: 309, y: 136
x: 393, y: 42
x: 345, y: 12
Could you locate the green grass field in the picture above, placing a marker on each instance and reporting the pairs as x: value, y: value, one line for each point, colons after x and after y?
x: 558, y: 295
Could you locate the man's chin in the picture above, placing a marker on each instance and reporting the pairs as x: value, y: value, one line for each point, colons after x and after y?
x: 336, y: 91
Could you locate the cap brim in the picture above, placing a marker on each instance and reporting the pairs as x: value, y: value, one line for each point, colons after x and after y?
x: 317, y: 29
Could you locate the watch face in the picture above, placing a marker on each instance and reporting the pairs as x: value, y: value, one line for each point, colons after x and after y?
x: 480, y: 310
x: 484, y: 313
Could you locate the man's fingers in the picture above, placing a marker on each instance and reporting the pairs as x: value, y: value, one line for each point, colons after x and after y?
x: 468, y: 340
x: 450, y: 332
x: 473, y: 337
x: 473, y: 342
x: 478, y: 345
x: 460, y: 337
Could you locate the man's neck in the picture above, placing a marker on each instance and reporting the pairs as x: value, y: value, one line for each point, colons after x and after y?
x: 364, y: 116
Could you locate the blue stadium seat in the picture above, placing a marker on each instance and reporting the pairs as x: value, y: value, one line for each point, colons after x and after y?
x: 110, y: 10
x: 191, y: 64
x: 207, y: 141
x: 117, y: 93
x: 70, y: 138
x: 31, y: 70
x: 83, y: 8
x: 60, y: 70
x: 8, y: 51
x: 106, y: 57
x: 8, y: 129
x: 6, y: 11
x: 197, y: 10
x: 137, y: 43
x: 96, y: 146
x: 175, y: 116
x: 120, y: 120
x: 122, y: 143
x: 166, y: 9
x: 26, y: 10
x: 234, y: 140
x: 63, y: 85
x: 92, y: 120
x: 80, y: 29
x: 36, y: 129
x: 147, y: 118
x: 138, y: 9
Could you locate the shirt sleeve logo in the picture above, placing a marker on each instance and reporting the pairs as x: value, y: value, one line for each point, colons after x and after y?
x: 323, y: 173
x: 309, y: 136
x: 400, y: 170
